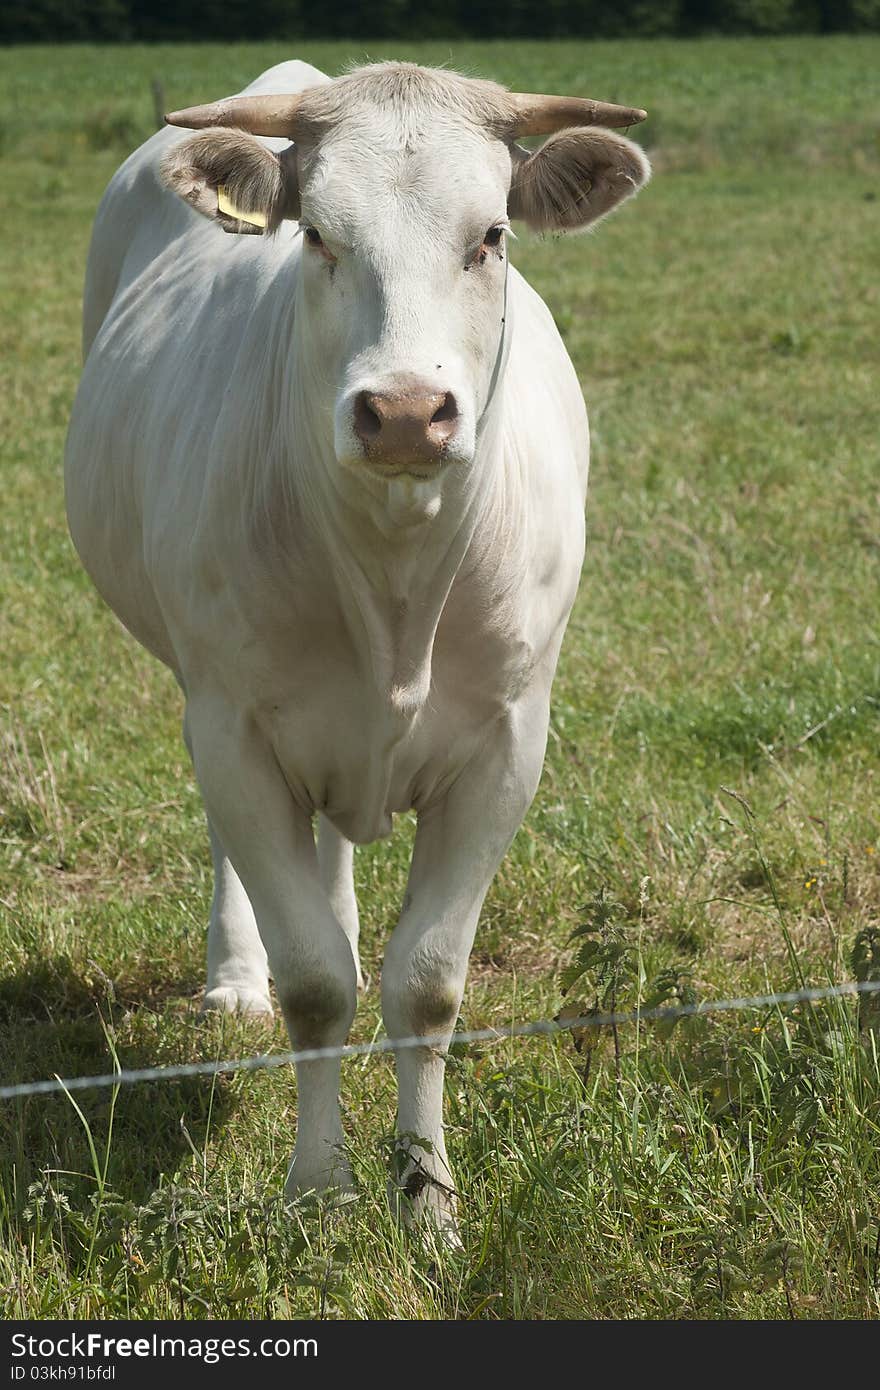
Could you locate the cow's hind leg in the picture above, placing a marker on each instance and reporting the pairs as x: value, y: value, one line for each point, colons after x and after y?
x: 336, y: 862
x: 238, y: 975
x: 238, y: 972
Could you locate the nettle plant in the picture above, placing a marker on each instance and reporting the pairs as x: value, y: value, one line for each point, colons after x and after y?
x: 609, y: 974
x: 865, y: 962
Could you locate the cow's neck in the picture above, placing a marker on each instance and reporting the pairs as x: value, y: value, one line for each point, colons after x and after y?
x: 395, y: 552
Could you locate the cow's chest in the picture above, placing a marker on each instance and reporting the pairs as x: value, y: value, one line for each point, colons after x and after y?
x: 358, y: 761
x: 358, y: 743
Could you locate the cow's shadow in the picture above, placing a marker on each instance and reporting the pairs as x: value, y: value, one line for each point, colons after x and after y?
x: 54, y: 1020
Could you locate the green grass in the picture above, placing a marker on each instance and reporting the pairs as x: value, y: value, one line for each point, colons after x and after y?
x: 726, y: 635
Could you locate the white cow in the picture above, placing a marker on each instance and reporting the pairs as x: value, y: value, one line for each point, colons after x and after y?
x: 333, y: 476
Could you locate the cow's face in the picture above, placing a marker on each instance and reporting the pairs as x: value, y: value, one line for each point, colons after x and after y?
x: 403, y: 280
x: 402, y: 180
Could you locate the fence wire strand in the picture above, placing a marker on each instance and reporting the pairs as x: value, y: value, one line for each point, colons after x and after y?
x: 544, y: 1027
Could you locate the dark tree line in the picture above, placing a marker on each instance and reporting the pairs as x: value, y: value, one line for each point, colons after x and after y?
x: 37, y: 21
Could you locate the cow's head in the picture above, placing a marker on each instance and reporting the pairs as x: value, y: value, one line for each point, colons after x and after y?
x: 403, y: 180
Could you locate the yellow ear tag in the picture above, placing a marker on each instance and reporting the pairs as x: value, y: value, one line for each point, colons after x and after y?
x: 224, y: 205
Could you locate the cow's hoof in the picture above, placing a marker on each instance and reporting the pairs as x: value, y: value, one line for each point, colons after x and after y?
x: 333, y: 1185
x: 443, y: 1227
x: 229, y: 999
x: 428, y: 1208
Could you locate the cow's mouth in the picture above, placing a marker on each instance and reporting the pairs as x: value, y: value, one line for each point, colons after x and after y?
x: 414, y: 472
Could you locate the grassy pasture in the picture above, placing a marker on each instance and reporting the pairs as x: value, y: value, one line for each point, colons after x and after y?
x: 726, y: 636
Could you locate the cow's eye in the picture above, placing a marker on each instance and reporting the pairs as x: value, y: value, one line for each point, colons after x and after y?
x: 313, y: 236
x: 491, y: 241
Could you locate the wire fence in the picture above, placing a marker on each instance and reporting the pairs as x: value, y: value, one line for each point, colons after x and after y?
x: 544, y: 1027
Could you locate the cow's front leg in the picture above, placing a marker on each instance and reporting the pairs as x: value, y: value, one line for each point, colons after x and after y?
x: 336, y: 861
x: 269, y: 840
x: 459, y: 844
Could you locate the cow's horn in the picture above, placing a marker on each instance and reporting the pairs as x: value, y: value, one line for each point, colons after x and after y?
x: 266, y: 115
x: 541, y: 115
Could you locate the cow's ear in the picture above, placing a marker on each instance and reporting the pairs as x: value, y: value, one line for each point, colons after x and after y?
x: 576, y: 177
x: 234, y: 180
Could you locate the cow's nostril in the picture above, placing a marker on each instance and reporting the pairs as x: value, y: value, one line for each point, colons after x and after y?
x: 367, y: 422
x: 447, y: 412
x: 445, y: 417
